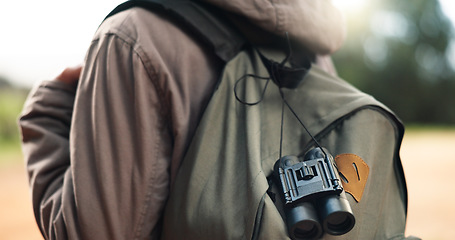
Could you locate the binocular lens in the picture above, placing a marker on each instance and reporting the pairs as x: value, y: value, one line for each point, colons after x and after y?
x: 339, y: 223
x: 303, y: 222
x: 307, y: 230
x: 337, y: 215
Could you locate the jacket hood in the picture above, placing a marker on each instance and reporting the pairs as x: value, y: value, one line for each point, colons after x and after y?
x: 316, y: 24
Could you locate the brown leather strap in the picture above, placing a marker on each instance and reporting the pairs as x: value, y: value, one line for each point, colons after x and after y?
x: 355, y: 174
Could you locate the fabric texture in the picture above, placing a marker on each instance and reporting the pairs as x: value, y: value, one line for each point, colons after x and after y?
x: 318, y: 25
x: 224, y: 175
x: 101, y: 168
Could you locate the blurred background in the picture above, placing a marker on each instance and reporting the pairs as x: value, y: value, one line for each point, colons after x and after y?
x: 401, y: 52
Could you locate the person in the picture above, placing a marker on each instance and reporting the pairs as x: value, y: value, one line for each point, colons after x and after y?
x: 103, y: 142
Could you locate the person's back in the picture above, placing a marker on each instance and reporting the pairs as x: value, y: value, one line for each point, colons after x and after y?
x: 103, y: 156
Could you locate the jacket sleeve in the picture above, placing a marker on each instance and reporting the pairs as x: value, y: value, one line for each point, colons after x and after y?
x: 99, y: 170
x: 45, y: 124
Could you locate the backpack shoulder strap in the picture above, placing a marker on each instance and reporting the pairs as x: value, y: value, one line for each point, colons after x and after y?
x: 205, y: 21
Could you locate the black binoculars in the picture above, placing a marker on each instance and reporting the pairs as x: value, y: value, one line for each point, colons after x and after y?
x: 314, y: 199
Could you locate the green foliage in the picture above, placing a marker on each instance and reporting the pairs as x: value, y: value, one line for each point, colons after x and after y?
x: 398, y: 51
x: 11, y: 103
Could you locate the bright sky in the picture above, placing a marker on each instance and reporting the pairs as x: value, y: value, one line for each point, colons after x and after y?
x: 40, y: 38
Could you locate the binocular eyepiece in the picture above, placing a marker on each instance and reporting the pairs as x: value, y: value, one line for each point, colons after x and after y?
x: 315, y: 201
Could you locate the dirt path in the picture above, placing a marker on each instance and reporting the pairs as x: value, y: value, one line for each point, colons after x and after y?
x: 16, y: 215
x: 428, y: 160
x: 429, y: 163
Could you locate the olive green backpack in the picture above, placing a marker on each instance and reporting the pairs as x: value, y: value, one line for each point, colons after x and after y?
x: 226, y: 189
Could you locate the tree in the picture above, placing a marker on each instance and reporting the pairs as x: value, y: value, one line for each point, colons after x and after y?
x: 399, y: 52
x: 4, y: 83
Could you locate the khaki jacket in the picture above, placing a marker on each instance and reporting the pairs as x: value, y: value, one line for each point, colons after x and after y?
x: 101, y: 157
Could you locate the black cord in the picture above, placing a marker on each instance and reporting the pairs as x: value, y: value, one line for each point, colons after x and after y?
x: 275, y: 76
x: 284, y: 103
x: 282, y: 127
x: 263, y: 91
x: 301, y: 123
x: 289, y: 55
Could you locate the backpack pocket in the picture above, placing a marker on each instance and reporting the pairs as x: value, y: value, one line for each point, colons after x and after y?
x: 268, y: 223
